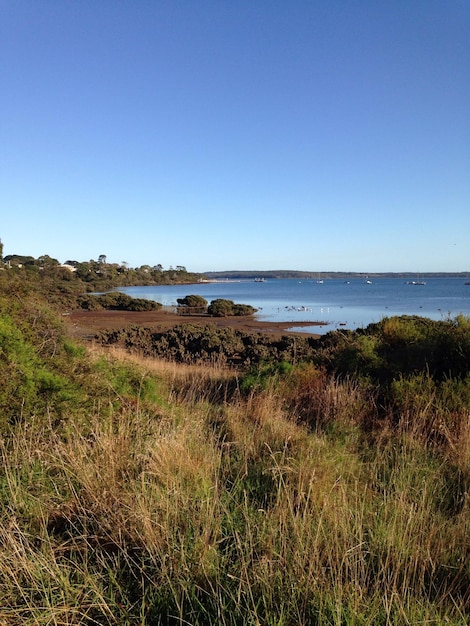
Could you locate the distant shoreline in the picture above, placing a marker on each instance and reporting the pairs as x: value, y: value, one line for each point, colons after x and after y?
x: 234, y: 275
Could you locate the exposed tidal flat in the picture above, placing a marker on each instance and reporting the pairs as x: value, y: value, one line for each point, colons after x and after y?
x: 337, y: 303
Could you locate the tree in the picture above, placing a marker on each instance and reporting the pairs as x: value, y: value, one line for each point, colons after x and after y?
x: 18, y: 259
x: 227, y: 308
x: 46, y: 261
x: 242, y: 310
x: 220, y: 308
x: 1, y: 251
x: 193, y: 301
x: 192, y: 305
x: 84, y: 270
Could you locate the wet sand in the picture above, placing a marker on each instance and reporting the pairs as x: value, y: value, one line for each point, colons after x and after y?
x: 86, y: 324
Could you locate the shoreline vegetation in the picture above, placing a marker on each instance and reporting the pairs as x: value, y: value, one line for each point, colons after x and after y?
x: 158, y: 469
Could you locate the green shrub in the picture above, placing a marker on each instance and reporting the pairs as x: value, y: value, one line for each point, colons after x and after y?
x: 226, y: 308
x: 189, y: 343
x: 242, y: 310
x: 265, y: 375
x: 220, y: 308
x: 18, y: 369
x: 193, y: 301
x: 117, y: 301
x: 400, y: 346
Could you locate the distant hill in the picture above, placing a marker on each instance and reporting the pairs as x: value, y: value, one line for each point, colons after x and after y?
x: 279, y: 274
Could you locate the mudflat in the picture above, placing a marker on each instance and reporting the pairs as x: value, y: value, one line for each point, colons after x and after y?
x: 87, y: 323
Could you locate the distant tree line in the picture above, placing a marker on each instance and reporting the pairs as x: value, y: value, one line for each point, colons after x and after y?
x: 98, y: 275
x: 313, y: 275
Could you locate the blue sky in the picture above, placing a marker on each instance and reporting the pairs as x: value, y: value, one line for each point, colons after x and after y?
x: 221, y: 135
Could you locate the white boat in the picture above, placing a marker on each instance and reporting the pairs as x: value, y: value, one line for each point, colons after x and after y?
x: 418, y: 281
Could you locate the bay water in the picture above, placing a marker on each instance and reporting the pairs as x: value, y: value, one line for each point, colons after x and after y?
x: 336, y: 303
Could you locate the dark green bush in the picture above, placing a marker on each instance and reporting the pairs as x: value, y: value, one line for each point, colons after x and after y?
x: 400, y: 346
x: 227, y: 308
x: 241, y: 310
x: 189, y: 343
x: 117, y: 301
x: 262, y: 376
x: 193, y: 301
x: 220, y: 308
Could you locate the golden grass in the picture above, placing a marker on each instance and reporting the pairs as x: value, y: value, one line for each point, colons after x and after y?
x: 230, y: 512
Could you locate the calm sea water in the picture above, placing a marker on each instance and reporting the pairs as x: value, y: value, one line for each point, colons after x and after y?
x: 336, y: 303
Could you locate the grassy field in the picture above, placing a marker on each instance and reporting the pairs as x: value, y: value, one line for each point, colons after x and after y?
x: 137, y: 491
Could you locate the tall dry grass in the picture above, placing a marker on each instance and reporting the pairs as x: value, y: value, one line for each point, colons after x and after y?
x: 224, y: 508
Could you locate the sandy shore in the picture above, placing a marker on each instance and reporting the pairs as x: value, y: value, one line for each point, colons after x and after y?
x: 88, y: 323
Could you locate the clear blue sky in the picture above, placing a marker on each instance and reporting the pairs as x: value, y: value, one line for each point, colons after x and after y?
x: 248, y: 134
